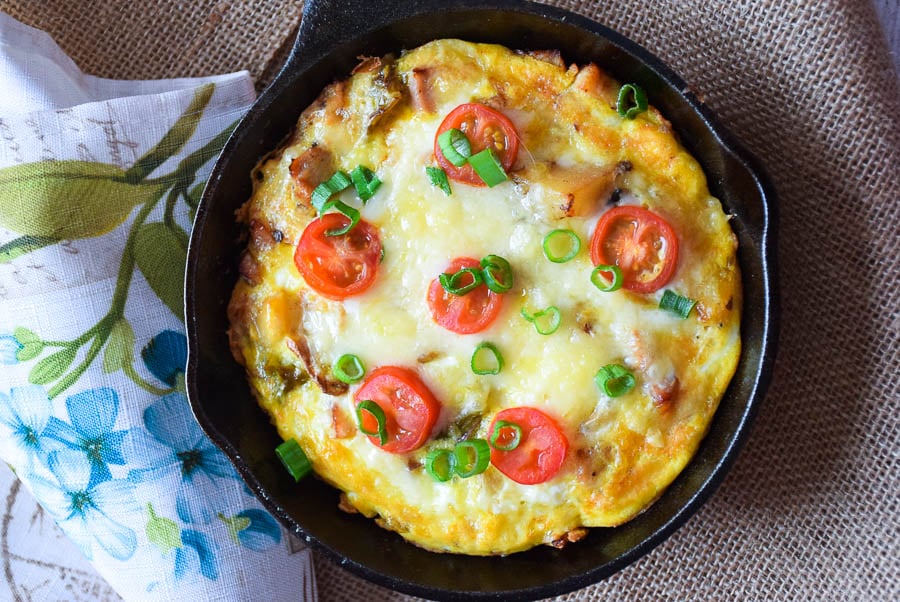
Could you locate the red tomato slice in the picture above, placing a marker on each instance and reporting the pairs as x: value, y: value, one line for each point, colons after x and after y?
x: 640, y: 242
x: 541, y: 450
x: 484, y: 127
x: 338, y: 267
x: 409, y: 407
x: 463, y: 314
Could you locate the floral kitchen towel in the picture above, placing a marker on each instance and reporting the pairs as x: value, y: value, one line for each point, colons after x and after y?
x: 99, y: 180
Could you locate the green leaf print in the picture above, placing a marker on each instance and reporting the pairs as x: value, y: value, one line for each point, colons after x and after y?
x: 120, y: 347
x: 32, y: 345
x: 162, y: 532
x: 29, y: 351
x: 25, y: 336
x: 57, y: 200
x: 161, y: 258
x: 52, y: 367
x: 175, y: 138
x: 235, y: 525
x: 192, y: 198
x: 68, y: 199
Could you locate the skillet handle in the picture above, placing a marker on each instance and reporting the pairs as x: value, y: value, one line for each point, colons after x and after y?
x: 326, y: 23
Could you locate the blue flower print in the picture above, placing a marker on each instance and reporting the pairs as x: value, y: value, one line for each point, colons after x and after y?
x: 93, y: 415
x: 166, y: 355
x: 196, y: 552
x: 83, y: 510
x: 9, y: 347
x: 262, y: 532
x: 24, y: 413
x: 179, y: 448
x: 253, y: 528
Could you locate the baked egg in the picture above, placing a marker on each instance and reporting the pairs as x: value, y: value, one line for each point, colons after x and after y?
x: 488, y: 295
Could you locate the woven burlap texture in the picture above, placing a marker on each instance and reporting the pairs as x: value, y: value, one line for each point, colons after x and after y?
x: 810, y: 510
x: 156, y: 39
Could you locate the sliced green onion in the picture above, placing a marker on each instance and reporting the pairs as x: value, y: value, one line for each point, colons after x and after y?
x: 293, y: 458
x: 545, y: 321
x: 497, y: 434
x: 472, y: 457
x: 452, y: 283
x: 632, y: 101
x: 497, y: 274
x: 439, y: 178
x: 552, y: 241
x: 482, y: 367
x: 675, y: 303
x: 365, y: 182
x: 349, y: 369
x: 455, y: 146
x: 598, y: 280
x: 373, y: 409
x: 347, y: 210
x: 488, y: 167
x: 336, y: 183
x: 440, y: 464
x: 614, y: 380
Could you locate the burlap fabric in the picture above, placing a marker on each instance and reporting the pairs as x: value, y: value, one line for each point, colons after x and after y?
x: 811, y: 510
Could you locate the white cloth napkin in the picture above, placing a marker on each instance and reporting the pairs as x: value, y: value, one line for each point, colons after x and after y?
x: 98, y: 183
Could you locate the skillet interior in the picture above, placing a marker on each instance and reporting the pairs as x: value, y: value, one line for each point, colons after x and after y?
x: 333, y: 35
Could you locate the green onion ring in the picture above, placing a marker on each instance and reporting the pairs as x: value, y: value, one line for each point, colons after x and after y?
x: 495, y: 434
x: 497, y: 273
x: 347, y: 210
x: 295, y: 461
x: 615, y: 380
x: 372, y: 408
x: 451, y: 282
x: 624, y: 107
x: 365, y: 182
x: 440, y: 464
x: 455, y: 146
x: 488, y: 167
x: 555, y: 318
x: 677, y: 304
x: 466, y: 466
x: 617, y: 278
x: 498, y: 359
x: 574, y: 245
x: 349, y: 369
x: 336, y: 183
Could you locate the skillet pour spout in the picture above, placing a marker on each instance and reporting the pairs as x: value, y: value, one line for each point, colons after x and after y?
x: 332, y: 35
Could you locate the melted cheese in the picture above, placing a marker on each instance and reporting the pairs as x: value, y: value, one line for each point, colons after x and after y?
x: 623, y: 451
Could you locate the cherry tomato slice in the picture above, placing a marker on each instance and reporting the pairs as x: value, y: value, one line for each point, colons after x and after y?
x: 338, y: 267
x: 640, y: 242
x: 484, y: 127
x: 409, y: 407
x: 541, y: 450
x: 463, y: 314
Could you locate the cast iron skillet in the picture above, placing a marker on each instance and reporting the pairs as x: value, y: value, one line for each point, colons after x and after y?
x: 333, y: 34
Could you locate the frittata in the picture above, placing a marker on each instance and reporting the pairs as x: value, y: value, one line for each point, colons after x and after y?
x: 489, y: 295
